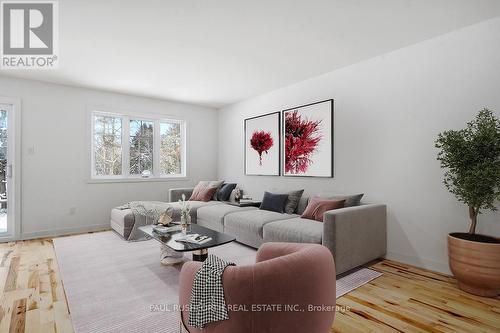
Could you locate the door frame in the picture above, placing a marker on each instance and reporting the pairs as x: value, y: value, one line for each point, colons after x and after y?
x: 14, y: 152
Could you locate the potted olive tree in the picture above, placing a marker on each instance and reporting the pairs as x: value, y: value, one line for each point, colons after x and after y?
x: 471, y: 159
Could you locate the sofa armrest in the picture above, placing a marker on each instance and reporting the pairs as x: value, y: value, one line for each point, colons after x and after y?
x: 355, y: 235
x: 175, y: 194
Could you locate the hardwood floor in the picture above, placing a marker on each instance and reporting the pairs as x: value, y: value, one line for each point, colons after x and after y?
x: 410, y: 299
x: 32, y: 294
x: 403, y: 299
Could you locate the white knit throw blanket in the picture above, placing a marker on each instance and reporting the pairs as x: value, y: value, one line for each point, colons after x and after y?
x: 145, y: 212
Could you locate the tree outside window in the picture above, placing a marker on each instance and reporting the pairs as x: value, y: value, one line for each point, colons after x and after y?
x: 141, y: 146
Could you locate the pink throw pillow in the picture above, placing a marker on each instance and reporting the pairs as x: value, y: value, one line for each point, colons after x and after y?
x: 203, y: 193
x: 317, y: 207
x: 196, y: 192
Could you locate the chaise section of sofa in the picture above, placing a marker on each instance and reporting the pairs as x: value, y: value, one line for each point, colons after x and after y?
x: 122, y: 220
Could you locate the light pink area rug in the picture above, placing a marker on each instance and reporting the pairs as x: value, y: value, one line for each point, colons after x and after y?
x: 117, y: 286
x: 355, y: 280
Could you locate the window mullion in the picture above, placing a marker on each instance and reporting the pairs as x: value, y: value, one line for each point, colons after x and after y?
x: 126, y: 146
x: 183, y: 149
x: 156, y: 149
x: 93, y: 171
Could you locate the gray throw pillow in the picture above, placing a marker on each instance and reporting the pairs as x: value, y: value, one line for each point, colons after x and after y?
x: 301, y: 207
x: 293, y: 201
x: 274, y: 202
x: 350, y: 200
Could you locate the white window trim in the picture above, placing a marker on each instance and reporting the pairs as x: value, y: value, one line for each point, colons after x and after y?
x: 126, y: 176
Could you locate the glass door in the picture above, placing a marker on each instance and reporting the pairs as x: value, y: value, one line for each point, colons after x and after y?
x: 5, y: 169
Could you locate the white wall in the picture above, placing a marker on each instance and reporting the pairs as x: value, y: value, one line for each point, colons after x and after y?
x: 388, y: 111
x: 54, y: 177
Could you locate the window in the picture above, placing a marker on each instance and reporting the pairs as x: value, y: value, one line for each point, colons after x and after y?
x: 126, y: 146
x: 108, y: 145
x: 141, y: 147
x: 170, y: 148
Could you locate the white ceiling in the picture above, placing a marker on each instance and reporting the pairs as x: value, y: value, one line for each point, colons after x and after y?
x: 217, y: 52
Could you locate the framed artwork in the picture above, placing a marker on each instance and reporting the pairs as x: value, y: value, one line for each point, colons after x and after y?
x: 262, y: 145
x: 308, y: 140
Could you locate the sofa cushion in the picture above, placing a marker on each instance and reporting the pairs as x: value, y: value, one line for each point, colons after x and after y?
x: 247, y: 226
x: 213, y: 216
x: 295, y: 230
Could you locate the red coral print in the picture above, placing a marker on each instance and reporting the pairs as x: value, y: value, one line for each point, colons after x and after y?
x: 301, y: 141
x: 261, y: 141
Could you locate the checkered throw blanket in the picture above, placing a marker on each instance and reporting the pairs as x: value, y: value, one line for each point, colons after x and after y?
x: 207, y: 302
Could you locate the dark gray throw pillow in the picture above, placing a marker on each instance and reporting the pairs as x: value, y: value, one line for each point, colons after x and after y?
x: 274, y: 202
x: 293, y: 201
x: 225, y: 191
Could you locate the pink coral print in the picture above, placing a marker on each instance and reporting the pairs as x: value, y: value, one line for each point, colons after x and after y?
x: 301, y: 141
x: 261, y: 142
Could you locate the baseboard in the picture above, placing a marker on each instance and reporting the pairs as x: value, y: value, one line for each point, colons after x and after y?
x: 441, y: 267
x: 64, y: 231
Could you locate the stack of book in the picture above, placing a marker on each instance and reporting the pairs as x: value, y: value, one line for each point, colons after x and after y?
x: 163, y: 230
x: 246, y: 201
x: 194, y: 239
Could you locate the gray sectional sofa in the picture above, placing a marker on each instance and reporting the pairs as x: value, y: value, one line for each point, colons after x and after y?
x: 354, y: 235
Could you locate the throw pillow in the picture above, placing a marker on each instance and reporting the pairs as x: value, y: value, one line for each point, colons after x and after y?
x: 212, y: 183
x: 293, y: 201
x: 350, y: 200
x: 203, y: 194
x: 274, y: 202
x: 196, y: 191
x: 225, y: 192
x: 323, y: 207
x: 318, y: 206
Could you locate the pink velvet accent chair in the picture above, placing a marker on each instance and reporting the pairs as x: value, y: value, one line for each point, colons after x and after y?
x: 291, y: 275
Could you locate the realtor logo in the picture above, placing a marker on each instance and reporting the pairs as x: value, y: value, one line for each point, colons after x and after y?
x: 29, y: 35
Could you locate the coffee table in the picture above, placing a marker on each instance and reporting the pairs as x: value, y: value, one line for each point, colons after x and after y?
x: 200, y: 251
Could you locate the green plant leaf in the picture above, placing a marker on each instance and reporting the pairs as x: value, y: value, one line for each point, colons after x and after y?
x: 471, y: 160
